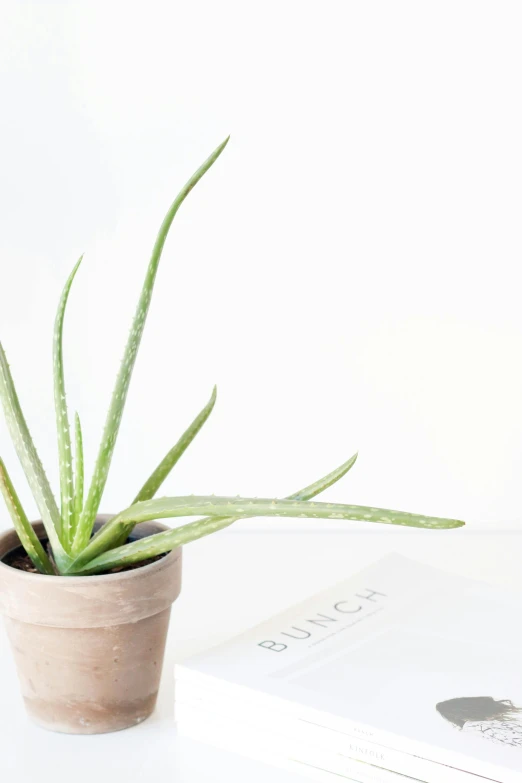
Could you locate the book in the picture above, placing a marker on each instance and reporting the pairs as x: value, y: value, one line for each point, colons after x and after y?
x: 237, y: 736
x: 403, y: 667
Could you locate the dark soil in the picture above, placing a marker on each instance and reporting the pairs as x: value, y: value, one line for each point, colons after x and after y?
x: 19, y: 559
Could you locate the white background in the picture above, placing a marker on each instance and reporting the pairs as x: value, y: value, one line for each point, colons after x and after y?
x: 347, y: 273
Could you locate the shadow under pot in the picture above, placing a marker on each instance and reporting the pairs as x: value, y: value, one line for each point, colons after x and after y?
x: 89, y: 649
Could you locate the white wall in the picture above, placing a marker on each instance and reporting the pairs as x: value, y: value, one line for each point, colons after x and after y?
x: 348, y: 273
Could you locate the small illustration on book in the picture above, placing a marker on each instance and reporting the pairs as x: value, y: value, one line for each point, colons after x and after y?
x: 497, y: 721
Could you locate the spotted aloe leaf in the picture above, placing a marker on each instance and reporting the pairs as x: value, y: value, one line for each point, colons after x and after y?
x: 312, y: 490
x: 216, y: 507
x: 26, y: 534
x: 121, y: 388
x: 62, y: 418
x: 170, y: 539
x: 159, y: 475
x: 78, y: 472
x: 31, y: 463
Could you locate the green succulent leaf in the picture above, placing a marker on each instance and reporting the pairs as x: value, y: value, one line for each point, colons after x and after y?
x: 241, y: 508
x: 309, y: 492
x: 312, y: 490
x: 31, y: 463
x: 23, y: 527
x: 119, y: 396
x: 213, y: 506
x: 159, y: 475
x: 78, y: 473
x: 160, y: 543
x: 62, y: 418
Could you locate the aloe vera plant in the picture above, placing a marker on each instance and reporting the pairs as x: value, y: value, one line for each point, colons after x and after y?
x: 73, y: 549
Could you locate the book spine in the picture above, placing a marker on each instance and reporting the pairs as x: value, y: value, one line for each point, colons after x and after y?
x: 338, y: 750
x: 451, y: 764
x: 279, y: 751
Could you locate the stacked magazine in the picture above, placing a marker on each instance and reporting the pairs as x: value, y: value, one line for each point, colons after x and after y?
x: 400, y: 673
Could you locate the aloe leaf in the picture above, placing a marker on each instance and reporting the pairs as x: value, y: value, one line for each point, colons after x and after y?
x: 31, y: 463
x: 62, y: 418
x: 121, y: 388
x: 159, y: 475
x: 114, y: 535
x: 23, y: 527
x: 241, y: 508
x: 78, y: 472
x: 303, y: 494
x: 213, y: 506
x: 309, y: 492
x: 312, y: 490
x: 160, y: 543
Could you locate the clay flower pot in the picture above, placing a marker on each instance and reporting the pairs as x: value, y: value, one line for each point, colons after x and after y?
x: 89, y: 650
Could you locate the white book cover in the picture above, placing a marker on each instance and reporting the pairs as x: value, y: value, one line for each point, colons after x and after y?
x: 402, y: 655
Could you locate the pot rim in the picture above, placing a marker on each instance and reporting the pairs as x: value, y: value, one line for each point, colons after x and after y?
x: 145, y: 528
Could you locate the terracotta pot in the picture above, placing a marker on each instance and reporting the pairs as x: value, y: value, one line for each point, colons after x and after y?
x: 89, y: 650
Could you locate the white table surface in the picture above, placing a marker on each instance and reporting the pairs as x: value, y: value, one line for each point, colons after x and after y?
x: 231, y: 581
